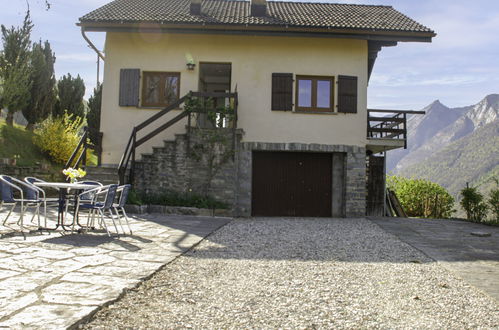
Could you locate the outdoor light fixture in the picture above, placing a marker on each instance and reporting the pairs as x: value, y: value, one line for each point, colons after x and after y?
x: 191, y: 65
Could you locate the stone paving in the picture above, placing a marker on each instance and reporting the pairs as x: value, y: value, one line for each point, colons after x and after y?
x: 53, y: 281
x: 455, y: 246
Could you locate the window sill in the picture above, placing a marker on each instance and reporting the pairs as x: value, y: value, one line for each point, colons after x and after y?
x: 315, y: 112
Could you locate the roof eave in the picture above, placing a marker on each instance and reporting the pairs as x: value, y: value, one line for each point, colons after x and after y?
x: 367, y: 34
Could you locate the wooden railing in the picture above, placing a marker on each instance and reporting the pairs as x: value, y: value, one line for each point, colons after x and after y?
x: 391, y: 126
x: 128, y: 158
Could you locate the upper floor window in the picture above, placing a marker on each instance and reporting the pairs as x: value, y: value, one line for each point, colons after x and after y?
x: 160, y: 89
x: 314, y: 93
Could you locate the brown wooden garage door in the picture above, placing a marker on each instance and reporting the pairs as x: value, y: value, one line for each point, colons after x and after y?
x: 292, y: 184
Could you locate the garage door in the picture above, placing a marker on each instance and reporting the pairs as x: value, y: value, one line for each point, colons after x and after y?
x: 292, y: 184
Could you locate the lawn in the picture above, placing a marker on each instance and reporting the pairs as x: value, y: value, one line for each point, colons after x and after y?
x: 16, y: 141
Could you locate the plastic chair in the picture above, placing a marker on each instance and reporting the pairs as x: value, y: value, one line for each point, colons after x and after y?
x: 30, y: 197
x: 123, y: 192
x: 108, y: 193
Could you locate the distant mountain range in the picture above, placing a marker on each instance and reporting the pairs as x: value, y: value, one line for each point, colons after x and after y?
x: 452, y: 146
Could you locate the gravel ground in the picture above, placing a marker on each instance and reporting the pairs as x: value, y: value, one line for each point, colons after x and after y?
x: 294, y: 273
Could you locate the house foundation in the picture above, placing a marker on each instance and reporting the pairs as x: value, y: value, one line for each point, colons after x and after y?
x: 176, y: 167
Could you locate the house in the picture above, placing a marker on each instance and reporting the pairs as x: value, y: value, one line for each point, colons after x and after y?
x: 295, y: 76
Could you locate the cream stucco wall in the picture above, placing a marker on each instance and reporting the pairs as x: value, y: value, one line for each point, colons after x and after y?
x: 253, y: 59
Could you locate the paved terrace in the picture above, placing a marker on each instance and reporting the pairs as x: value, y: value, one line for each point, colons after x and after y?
x: 52, y: 281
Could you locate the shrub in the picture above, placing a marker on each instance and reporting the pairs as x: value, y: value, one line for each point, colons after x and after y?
x: 473, y: 203
x: 422, y: 198
x: 494, y: 204
x: 172, y: 198
x: 58, y: 137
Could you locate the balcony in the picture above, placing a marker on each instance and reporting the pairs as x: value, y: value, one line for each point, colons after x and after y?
x: 387, y: 129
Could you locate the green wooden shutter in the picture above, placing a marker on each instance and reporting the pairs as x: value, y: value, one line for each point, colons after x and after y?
x: 129, y: 87
x: 282, y: 91
x: 347, y: 94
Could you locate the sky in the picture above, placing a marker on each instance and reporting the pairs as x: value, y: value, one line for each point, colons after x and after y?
x: 459, y: 68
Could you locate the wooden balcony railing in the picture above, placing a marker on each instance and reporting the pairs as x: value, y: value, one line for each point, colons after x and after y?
x: 389, y: 124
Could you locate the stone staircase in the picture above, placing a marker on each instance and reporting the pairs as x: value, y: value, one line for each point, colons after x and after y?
x: 105, y: 175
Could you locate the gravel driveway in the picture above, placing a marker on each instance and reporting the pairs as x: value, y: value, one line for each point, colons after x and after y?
x: 301, y: 273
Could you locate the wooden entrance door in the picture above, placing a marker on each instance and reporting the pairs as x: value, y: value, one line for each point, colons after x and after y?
x: 292, y: 184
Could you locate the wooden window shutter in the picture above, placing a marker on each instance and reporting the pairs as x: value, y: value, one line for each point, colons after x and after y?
x: 129, y: 87
x: 282, y: 91
x: 347, y: 94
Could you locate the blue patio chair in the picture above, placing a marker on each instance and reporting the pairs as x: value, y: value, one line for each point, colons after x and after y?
x: 107, y: 194
x: 46, y: 200
x: 29, y: 197
x: 123, y: 192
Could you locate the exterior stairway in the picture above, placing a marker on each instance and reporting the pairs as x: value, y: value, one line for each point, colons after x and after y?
x: 105, y: 175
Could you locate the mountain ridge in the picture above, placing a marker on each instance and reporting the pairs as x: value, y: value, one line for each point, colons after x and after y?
x: 452, y: 146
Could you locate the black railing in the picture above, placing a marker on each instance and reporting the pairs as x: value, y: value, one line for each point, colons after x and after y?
x: 128, y: 159
x: 392, y: 126
x: 79, y: 156
x: 80, y: 149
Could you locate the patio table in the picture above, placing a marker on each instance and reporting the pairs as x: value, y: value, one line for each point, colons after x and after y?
x: 64, y: 188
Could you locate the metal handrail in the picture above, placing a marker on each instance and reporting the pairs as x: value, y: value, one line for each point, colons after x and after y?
x: 83, y: 156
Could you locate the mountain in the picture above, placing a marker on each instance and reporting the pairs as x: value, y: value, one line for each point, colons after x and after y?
x: 452, y: 146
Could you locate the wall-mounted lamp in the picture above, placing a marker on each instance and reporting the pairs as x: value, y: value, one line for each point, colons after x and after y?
x: 191, y: 65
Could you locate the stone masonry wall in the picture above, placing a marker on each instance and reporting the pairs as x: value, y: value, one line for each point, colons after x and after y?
x: 177, y: 166
x: 170, y: 168
x: 355, y: 188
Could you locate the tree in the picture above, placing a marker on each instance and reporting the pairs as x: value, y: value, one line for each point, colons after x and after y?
x: 71, y: 91
x: 93, y: 115
x: 43, y: 80
x: 15, y: 68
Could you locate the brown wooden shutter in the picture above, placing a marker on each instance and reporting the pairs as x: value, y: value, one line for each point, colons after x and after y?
x: 129, y: 87
x: 347, y: 94
x: 282, y: 91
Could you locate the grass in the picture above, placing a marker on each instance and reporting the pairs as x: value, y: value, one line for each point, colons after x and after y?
x: 16, y: 141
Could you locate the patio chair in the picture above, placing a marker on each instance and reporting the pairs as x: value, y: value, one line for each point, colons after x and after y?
x: 123, y: 196
x: 107, y: 193
x: 31, y: 180
x: 29, y: 197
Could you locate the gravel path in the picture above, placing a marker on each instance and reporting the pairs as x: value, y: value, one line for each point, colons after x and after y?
x: 292, y: 273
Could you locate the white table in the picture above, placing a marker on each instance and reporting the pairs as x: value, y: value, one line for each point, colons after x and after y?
x: 64, y: 188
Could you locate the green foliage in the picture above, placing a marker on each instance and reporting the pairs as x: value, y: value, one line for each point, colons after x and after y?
x: 70, y: 91
x: 494, y: 203
x: 14, y: 140
x: 212, y: 146
x: 58, y: 137
x: 43, y: 94
x: 473, y: 158
x: 422, y: 198
x: 474, y: 205
x: 172, y: 198
x: 93, y: 115
x: 15, y: 67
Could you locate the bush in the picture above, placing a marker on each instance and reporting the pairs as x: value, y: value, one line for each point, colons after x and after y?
x: 474, y: 205
x: 58, y: 137
x: 422, y: 198
x: 176, y: 199
x: 494, y: 204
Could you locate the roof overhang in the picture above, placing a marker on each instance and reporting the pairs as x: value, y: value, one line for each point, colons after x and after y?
x: 269, y: 30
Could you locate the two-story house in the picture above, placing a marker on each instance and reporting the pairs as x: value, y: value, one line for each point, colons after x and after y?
x: 295, y: 76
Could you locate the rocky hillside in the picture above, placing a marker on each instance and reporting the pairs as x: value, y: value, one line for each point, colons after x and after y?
x: 452, y: 146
